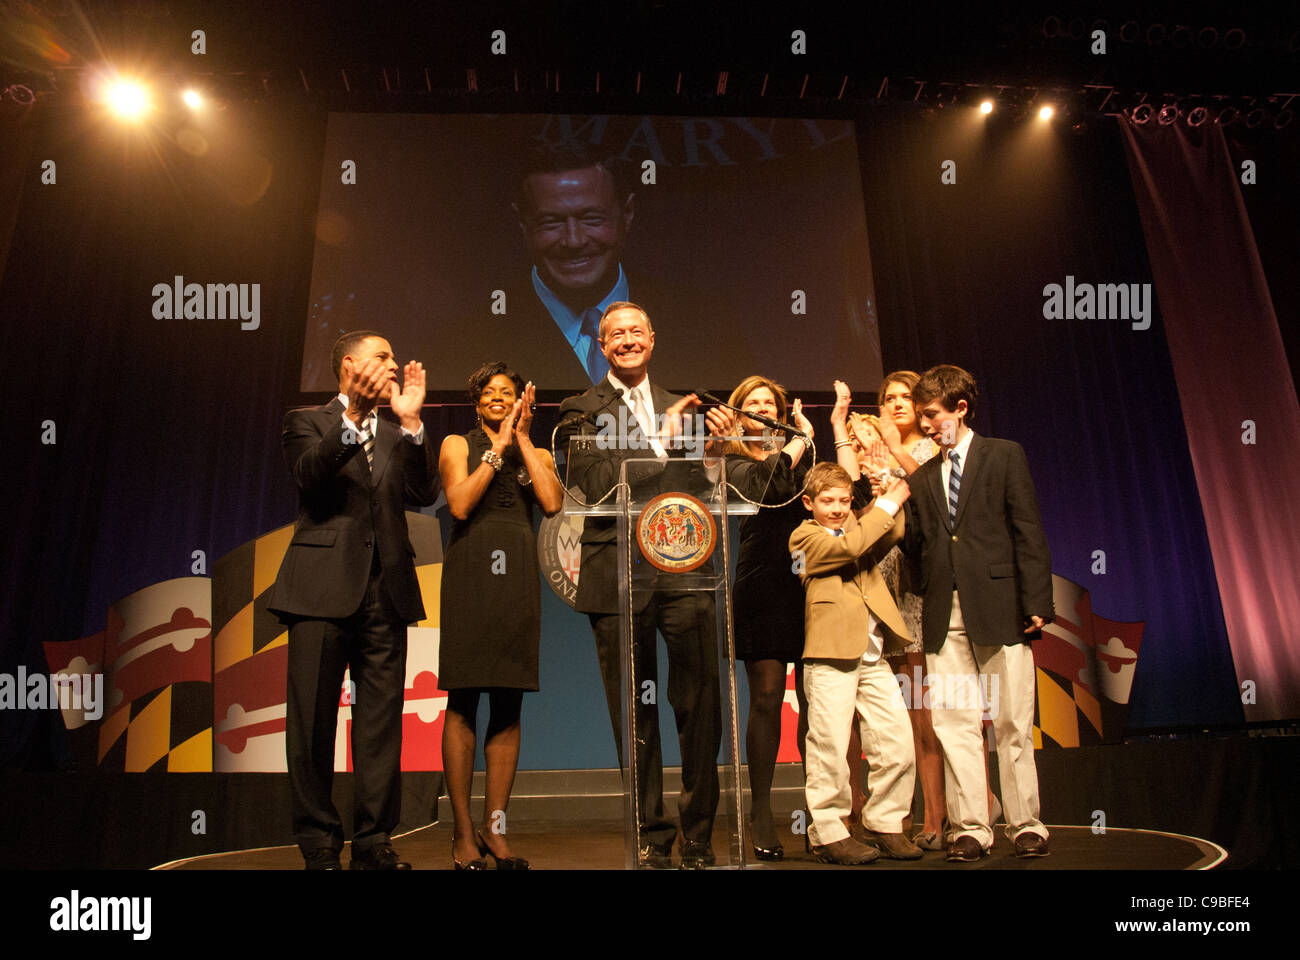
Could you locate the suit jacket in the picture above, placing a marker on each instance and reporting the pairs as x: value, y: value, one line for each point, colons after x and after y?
x: 595, y: 471
x: 347, y: 511
x: 996, y: 553
x: 842, y: 581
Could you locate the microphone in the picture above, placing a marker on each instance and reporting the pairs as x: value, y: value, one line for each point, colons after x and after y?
x: 766, y: 421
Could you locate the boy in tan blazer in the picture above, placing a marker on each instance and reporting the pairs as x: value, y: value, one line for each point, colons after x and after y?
x: 851, y: 622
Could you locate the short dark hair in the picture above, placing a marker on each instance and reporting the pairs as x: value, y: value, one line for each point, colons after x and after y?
x: 948, y: 384
x: 345, y: 345
x: 560, y: 158
x: 823, y: 476
x: 481, y: 377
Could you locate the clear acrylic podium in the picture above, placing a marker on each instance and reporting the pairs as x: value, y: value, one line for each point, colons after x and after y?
x: 677, y: 503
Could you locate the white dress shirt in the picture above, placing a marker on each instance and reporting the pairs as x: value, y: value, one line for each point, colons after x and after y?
x: 370, y: 423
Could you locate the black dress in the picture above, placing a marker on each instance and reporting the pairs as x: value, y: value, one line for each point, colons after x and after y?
x: 767, y: 597
x: 491, y: 599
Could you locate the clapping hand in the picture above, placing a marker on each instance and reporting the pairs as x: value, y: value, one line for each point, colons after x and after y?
x: 524, y: 407
x: 407, y: 400
x: 802, y: 422
x: 840, y: 412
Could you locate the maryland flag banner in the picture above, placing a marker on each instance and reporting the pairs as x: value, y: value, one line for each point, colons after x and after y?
x: 196, y: 670
x: 1084, y: 665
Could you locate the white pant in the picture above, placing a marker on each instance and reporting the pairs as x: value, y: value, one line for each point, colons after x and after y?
x: 836, y: 690
x: 1005, y: 678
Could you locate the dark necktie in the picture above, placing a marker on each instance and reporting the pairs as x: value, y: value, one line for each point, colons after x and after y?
x: 839, y: 533
x: 954, y: 485
x: 596, y: 364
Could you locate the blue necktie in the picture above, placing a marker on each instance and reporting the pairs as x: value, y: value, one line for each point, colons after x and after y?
x: 954, y: 485
x: 596, y: 364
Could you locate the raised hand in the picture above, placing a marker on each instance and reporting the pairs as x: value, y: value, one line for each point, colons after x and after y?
x: 506, y: 434
x: 721, y: 422
x: 407, y: 401
x: 888, y: 431
x: 863, y: 431
x: 367, y: 385
x: 877, y: 456
x: 802, y: 422
x: 840, y: 412
x: 673, y: 415
x: 525, y: 406
x: 898, y: 492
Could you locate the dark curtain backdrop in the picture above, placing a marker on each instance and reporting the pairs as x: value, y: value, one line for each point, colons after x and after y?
x: 1231, y: 367
x: 960, y: 271
x: 168, y: 430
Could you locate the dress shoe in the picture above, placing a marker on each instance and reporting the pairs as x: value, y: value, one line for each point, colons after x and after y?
x: 322, y: 858
x: 503, y: 863
x: 656, y: 857
x: 697, y: 854
x: 1030, y: 844
x: 894, y: 846
x: 848, y: 852
x: 381, y: 856
x: 965, y: 849
x: 771, y: 853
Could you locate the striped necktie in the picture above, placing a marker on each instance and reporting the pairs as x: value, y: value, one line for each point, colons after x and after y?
x: 954, y: 485
x: 371, y: 429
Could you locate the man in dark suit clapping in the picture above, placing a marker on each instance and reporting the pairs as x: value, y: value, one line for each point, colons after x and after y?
x: 986, y: 575
x: 347, y: 590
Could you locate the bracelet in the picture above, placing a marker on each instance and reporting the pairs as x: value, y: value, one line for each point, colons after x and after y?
x: 493, y: 459
x: 842, y: 443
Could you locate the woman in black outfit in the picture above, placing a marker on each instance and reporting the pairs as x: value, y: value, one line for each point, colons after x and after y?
x: 491, y: 603
x: 767, y: 597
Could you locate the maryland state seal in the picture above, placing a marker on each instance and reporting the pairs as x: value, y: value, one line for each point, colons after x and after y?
x: 676, y: 532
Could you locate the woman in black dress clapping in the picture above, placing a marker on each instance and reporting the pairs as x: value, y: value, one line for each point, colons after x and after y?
x: 491, y: 603
x: 767, y: 598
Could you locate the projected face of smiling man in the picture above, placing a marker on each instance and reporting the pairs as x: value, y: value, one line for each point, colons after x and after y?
x: 575, y: 226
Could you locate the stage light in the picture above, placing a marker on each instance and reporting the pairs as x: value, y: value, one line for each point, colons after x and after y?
x: 1181, y: 37
x: 192, y: 99
x: 1234, y: 39
x: 1045, y: 113
x: 1283, y: 119
x: 1167, y: 115
x: 127, y: 98
x: 1130, y: 31
x: 986, y: 107
x: 1197, y: 116
x: 1227, y: 116
x: 1255, y: 117
x: 1142, y: 113
x: 1208, y: 37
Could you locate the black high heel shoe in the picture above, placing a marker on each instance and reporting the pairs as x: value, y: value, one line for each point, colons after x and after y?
x: 503, y: 863
x: 477, y: 864
x: 772, y: 854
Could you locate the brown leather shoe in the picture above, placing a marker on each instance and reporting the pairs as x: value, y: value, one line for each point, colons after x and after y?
x: 1030, y: 844
x: 965, y: 849
x: 847, y: 852
x: 895, y: 846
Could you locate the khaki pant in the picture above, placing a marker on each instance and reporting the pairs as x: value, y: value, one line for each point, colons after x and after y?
x: 1004, y: 676
x: 836, y: 691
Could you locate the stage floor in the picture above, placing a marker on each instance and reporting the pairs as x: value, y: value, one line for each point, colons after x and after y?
x: 598, y: 845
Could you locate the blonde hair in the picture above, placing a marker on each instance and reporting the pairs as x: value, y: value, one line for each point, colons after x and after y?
x: 737, y: 399
x: 823, y: 476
